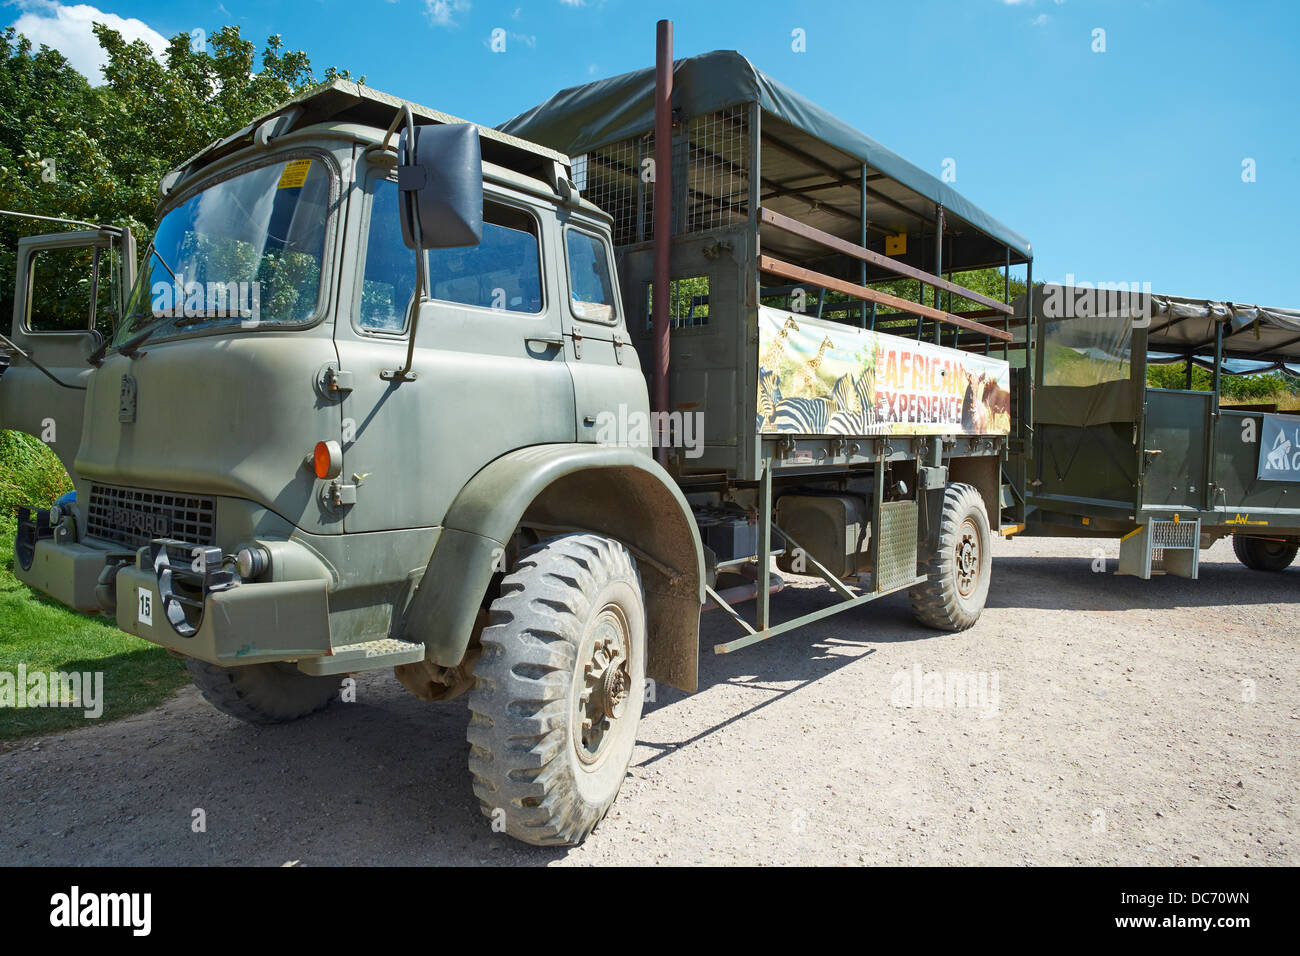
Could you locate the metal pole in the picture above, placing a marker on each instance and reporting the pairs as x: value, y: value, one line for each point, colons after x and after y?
x: 1033, y: 368
x: 1006, y: 299
x: 663, y: 199
x: 764, y: 542
x: 862, y: 239
x: 1218, y: 364
x: 938, y: 269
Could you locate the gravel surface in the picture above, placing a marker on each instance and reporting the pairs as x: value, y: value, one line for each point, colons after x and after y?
x: 1121, y: 722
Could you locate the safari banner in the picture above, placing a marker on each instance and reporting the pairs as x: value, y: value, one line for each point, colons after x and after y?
x: 822, y: 378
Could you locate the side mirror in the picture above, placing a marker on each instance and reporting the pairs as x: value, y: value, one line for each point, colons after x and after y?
x: 440, y: 176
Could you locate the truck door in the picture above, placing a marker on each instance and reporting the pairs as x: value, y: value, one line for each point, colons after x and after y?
x: 605, y: 368
x: 69, y: 289
x: 489, y: 361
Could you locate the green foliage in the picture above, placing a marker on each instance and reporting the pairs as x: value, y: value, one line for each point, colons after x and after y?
x: 111, y: 144
x: 30, y: 474
x: 987, y: 282
x: 1236, y: 388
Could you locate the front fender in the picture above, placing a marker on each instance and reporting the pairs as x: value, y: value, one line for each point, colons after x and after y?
x: 618, y: 492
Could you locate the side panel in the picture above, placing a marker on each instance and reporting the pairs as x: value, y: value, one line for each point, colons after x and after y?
x: 706, y: 372
x: 1247, y: 498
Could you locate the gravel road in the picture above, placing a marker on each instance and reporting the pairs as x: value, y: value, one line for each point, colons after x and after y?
x: 1102, y: 720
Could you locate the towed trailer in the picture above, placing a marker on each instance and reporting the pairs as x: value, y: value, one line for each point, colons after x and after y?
x: 1167, y: 471
x: 428, y: 444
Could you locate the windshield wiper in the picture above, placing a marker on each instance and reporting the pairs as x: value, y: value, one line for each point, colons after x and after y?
x: 132, y: 345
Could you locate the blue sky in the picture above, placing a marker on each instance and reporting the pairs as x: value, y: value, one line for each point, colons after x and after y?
x: 1122, y: 165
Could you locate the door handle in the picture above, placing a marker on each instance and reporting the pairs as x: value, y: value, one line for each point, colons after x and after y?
x: 556, y: 340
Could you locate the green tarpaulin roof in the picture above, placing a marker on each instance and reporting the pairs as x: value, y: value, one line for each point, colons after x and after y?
x: 596, y: 114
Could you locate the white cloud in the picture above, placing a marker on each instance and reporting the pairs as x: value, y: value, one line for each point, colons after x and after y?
x: 68, y: 30
x: 442, y: 13
x: 574, y: 3
x: 1040, y: 20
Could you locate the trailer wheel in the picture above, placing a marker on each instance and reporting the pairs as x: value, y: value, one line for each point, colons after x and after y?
x: 957, y: 575
x: 271, y: 693
x: 1260, y: 554
x: 558, y: 690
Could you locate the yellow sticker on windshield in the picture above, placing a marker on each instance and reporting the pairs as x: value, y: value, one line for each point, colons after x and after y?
x: 295, y: 174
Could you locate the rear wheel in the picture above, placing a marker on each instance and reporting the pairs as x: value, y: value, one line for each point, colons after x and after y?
x: 558, y: 690
x: 1261, y: 554
x: 272, y: 693
x: 957, y: 575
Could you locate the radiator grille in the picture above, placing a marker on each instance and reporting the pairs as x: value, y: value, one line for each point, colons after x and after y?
x: 134, y: 516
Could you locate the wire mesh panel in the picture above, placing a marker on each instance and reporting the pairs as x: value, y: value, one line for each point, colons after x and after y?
x: 619, y: 178
x: 718, y: 169
x: 710, y: 169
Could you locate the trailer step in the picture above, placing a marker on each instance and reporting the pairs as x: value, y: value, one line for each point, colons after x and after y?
x: 368, y: 656
x: 1169, y: 546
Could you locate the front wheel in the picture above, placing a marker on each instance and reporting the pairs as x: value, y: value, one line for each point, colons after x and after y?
x: 1261, y: 554
x: 957, y: 574
x: 271, y: 693
x: 558, y: 690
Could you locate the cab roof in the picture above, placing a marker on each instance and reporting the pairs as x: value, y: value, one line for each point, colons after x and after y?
x: 341, y: 101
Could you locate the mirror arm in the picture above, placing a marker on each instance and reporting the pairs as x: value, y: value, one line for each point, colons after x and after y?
x: 404, y: 374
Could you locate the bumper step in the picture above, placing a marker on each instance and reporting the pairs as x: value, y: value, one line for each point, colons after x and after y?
x: 368, y: 656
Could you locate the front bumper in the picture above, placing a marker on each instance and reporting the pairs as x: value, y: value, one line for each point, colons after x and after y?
x: 327, y: 604
x: 248, y: 624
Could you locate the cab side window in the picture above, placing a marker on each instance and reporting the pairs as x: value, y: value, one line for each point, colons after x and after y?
x: 389, y: 280
x: 501, y: 272
x: 61, y: 284
x: 591, y: 292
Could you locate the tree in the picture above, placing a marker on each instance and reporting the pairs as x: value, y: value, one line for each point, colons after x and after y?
x: 76, y: 151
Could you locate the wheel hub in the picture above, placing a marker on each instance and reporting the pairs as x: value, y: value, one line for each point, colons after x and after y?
x: 967, y: 559
x: 606, y: 684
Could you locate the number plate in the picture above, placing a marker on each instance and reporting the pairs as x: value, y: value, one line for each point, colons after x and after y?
x: 144, y: 606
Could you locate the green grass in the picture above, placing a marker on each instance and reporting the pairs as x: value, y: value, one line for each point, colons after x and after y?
x: 46, y: 636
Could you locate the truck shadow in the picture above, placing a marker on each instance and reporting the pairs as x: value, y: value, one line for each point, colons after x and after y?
x: 1068, y: 584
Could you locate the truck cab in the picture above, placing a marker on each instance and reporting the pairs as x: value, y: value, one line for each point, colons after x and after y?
x: 301, y: 452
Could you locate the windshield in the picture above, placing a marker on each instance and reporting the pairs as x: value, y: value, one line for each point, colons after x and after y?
x: 241, y: 253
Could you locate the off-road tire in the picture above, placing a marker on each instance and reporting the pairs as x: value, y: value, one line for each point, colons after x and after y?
x: 957, y: 574
x: 535, y: 775
x: 272, y: 693
x: 1259, y: 554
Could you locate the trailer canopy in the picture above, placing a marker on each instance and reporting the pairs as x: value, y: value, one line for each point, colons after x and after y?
x: 1255, y: 339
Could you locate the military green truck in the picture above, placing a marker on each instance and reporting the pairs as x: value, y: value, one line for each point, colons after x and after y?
x: 305, y: 451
